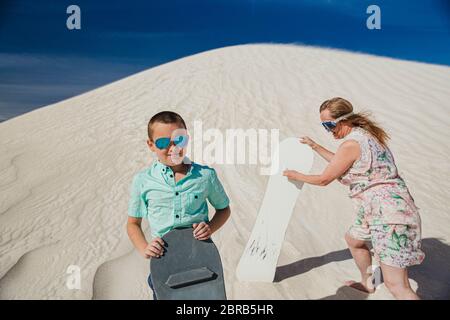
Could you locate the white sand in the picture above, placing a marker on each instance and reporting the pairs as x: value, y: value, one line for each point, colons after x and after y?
x: 65, y: 170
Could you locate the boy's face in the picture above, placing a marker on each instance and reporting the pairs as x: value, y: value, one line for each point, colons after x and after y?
x: 172, y: 155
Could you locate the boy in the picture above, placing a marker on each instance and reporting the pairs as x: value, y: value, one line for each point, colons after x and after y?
x: 172, y: 191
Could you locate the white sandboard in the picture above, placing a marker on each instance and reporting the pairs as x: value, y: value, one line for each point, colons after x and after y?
x: 259, y: 260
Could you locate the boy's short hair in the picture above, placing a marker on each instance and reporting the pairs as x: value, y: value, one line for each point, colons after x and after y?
x: 165, y: 117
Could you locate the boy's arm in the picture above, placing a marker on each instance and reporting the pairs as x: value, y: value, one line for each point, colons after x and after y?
x: 219, y: 219
x: 218, y: 199
x: 136, y: 234
x: 203, y: 231
x: 154, y: 249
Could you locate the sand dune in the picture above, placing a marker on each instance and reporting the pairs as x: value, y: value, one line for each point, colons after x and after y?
x: 65, y: 170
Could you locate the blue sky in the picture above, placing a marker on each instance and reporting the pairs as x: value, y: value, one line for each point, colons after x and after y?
x: 42, y: 62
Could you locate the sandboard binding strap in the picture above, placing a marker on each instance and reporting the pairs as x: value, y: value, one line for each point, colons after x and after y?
x: 190, y: 277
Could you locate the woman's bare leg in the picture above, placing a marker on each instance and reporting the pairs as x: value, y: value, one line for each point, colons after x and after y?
x: 363, y: 260
x: 396, y: 280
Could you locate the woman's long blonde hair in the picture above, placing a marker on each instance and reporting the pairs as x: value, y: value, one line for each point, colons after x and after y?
x: 339, y: 107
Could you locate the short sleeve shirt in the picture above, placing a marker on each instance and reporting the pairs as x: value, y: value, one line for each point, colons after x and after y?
x: 167, y: 204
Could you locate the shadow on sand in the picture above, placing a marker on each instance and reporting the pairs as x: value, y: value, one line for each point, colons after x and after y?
x: 432, y: 276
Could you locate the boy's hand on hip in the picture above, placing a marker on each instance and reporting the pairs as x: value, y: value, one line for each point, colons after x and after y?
x: 202, y: 231
x: 154, y: 249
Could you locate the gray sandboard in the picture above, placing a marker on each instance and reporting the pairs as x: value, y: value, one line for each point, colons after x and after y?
x: 190, y: 269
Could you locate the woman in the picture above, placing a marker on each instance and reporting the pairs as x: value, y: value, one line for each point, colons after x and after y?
x: 385, y: 210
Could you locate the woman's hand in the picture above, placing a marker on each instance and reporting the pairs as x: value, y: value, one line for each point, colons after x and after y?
x: 323, y: 152
x: 310, y: 142
x: 291, y: 174
x: 202, y: 231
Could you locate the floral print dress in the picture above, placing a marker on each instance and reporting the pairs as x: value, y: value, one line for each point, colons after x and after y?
x: 385, y: 210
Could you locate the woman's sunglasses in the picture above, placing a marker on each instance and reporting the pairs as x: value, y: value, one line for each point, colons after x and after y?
x: 180, y: 141
x: 330, y: 125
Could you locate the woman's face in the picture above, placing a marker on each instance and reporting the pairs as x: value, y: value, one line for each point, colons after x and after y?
x: 342, y: 128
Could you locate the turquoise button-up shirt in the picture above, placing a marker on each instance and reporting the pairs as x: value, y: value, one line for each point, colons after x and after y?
x: 167, y: 205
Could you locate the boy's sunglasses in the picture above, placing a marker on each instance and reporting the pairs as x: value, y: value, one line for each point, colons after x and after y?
x: 180, y: 141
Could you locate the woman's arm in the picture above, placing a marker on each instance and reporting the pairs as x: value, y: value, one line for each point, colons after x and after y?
x: 347, y: 153
x: 324, y: 153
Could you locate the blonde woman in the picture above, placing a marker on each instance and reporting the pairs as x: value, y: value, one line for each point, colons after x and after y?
x: 385, y: 210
